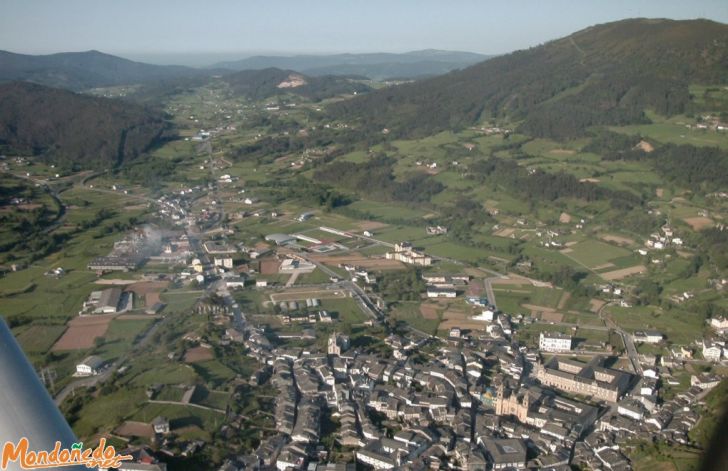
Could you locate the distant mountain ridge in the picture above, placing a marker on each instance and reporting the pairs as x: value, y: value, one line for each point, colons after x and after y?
x: 603, y: 75
x: 377, y: 66
x: 90, y: 69
x: 68, y: 128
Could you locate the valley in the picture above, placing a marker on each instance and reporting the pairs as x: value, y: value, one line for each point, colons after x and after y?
x: 270, y: 277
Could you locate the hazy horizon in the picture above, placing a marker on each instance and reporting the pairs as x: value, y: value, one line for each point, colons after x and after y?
x: 190, y: 33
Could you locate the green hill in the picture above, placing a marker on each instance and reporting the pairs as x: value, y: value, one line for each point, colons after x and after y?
x: 90, y: 69
x: 603, y: 75
x: 67, y: 128
x: 265, y: 83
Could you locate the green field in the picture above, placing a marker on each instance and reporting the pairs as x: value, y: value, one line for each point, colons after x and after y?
x: 180, y: 300
x: 348, y: 311
x: 120, y: 337
x: 213, y: 399
x: 39, y: 338
x: 189, y: 422
x: 593, y: 253
x: 511, y: 298
x: 680, y: 327
x: 674, y: 131
x: 409, y: 314
x: 315, y: 277
x: 213, y: 372
x: 386, y: 212
x: 162, y: 372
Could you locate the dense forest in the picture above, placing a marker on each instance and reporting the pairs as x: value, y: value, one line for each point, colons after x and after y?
x: 75, y: 130
x: 697, y: 168
x: 537, y: 185
x: 375, y: 179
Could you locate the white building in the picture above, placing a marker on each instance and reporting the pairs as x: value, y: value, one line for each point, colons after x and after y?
x: 486, y: 315
x: 377, y: 460
x: 404, y: 252
x: 647, y: 336
x: 712, y: 351
x: 90, y: 366
x: 631, y: 409
x: 435, y: 292
x: 554, y: 342
x: 161, y: 425
x: 719, y: 323
x: 226, y: 262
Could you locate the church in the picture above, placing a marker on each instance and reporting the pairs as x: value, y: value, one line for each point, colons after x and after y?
x: 338, y: 343
x: 537, y: 407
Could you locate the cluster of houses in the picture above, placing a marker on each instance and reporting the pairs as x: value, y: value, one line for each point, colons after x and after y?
x: 478, y: 403
x: 662, y: 240
x: 709, y: 122
x: 176, y: 206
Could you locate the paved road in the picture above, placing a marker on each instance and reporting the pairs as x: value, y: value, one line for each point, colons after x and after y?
x: 631, y: 350
x: 489, y: 293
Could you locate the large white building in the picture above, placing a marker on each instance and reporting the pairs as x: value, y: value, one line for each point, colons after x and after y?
x: 435, y: 292
x: 89, y: 366
x: 225, y: 262
x: 647, y: 336
x: 554, y: 342
x: 712, y: 351
x: 404, y: 252
x: 719, y: 323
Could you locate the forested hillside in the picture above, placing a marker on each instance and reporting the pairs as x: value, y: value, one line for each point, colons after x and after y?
x: 604, y: 75
x: 90, y: 69
x: 75, y: 130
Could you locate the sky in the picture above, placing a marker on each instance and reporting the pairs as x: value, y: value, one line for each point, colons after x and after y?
x: 187, y: 31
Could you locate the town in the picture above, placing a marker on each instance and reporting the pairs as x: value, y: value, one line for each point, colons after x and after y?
x: 475, y: 397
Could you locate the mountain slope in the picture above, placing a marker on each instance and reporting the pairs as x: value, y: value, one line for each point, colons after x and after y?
x: 606, y: 74
x: 67, y: 128
x: 260, y: 84
x: 376, y: 66
x: 83, y: 70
